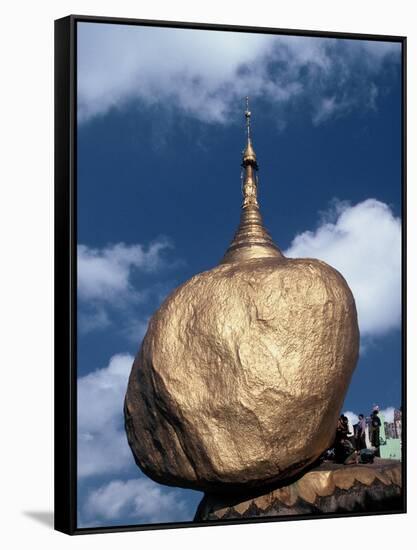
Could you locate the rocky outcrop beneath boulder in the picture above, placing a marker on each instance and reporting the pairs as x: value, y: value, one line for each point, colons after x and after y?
x: 328, y: 488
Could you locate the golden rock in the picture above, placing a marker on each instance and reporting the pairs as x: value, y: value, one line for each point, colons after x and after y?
x: 244, y: 368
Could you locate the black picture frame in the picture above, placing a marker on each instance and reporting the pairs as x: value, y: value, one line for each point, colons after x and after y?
x: 65, y: 403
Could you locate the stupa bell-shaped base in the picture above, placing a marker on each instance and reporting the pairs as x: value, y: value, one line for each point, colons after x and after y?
x: 251, y: 240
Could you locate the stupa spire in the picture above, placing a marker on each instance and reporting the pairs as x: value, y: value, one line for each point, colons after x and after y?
x: 250, y: 165
x: 251, y: 240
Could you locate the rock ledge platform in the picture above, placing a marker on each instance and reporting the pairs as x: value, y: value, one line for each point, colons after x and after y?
x: 327, y: 488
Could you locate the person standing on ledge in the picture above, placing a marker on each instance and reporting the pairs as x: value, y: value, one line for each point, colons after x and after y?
x: 350, y: 433
x: 360, y: 433
x: 375, y: 426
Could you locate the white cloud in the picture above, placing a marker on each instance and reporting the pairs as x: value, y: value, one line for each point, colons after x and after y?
x: 105, y: 273
x: 206, y: 74
x: 106, y: 288
x: 102, y: 443
x: 329, y: 107
x: 363, y: 242
x: 139, y: 500
x: 388, y: 414
x: 352, y: 417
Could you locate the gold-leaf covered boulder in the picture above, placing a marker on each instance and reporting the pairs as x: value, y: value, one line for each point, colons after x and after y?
x: 244, y: 368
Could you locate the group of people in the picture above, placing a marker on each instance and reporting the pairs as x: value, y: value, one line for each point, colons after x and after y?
x: 350, y: 441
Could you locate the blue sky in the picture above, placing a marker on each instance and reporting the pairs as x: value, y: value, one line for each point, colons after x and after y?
x: 160, y: 136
